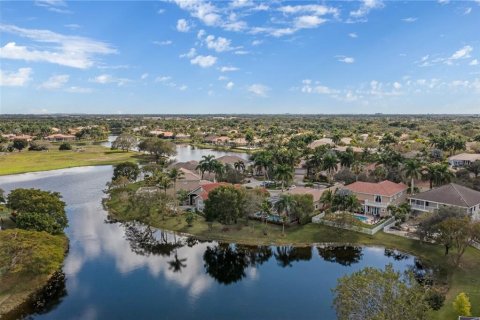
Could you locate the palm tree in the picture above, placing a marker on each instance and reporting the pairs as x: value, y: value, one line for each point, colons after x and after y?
x: 346, y: 158
x: 174, y: 175
x: 239, y: 166
x: 351, y: 202
x: 327, y: 198
x: 218, y: 168
x: 413, y: 170
x: 438, y: 174
x: 164, y: 182
x: 285, y: 206
x: 284, y: 173
x: 330, y: 161
x: 206, y: 164
x: 263, y: 161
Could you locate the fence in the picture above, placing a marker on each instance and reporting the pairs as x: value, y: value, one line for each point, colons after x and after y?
x: 371, y: 231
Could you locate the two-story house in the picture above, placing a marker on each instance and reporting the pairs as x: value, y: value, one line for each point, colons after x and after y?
x: 376, y: 197
x: 450, y: 195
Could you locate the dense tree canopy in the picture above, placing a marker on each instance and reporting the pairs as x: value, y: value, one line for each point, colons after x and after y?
x: 225, y: 204
x: 38, y: 210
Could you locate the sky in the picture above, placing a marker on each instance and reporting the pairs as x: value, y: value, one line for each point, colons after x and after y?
x: 241, y: 56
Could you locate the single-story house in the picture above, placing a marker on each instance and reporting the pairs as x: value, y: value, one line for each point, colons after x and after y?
x: 189, y: 165
x: 197, y: 196
x: 321, y: 142
x: 231, y: 160
x: 316, y: 194
x: 376, y: 197
x: 451, y: 194
x: 60, y: 137
x: 463, y: 159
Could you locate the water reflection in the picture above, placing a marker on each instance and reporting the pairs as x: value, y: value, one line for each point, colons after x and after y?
x: 125, y: 271
x: 344, y: 255
x: 227, y: 263
x: 285, y: 255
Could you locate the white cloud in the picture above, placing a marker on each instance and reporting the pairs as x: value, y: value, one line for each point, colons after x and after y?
x: 229, y: 69
x: 78, y: 90
x: 258, y: 89
x: 183, y: 25
x: 314, y: 9
x: 474, y: 62
x: 15, y: 79
x: 366, y: 7
x: 204, y: 61
x: 241, y: 52
x: 305, y: 22
x: 353, y: 35
x: 467, y: 11
x: 219, y: 44
x: 162, y: 79
x: 229, y: 85
x: 55, y: 82
x: 183, y: 87
x: 190, y: 54
x: 462, y: 53
x: 163, y: 43
x: 309, y: 87
x: 106, y: 79
x: 443, y: 1
x: 204, y: 11
x: 144, y: 76
x: 409, y: 19
x: 73, y: 26
x: 345, y: 59
x: 397, y: 85
x: 70, y: 51
x: 256, y: 42
x: 58, y: 6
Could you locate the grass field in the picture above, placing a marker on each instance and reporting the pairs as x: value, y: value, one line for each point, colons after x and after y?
x: 28, y: 259
x: 465, y: 278
x: 91, y: 155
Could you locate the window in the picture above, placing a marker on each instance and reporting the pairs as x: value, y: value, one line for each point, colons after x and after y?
x: 378, y: 199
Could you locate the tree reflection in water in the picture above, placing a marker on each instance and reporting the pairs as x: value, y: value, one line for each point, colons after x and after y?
x: 344, y: 255
x: 227, y: 263
x: 396, y: 255
x: 143, y: 240
x: 285, y: 255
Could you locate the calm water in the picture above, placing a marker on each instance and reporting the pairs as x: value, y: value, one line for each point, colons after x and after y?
x: 116, y: 271
x: 187, y: 152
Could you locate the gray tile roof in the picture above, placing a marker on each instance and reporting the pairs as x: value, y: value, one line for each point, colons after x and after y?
x: 452, y: 194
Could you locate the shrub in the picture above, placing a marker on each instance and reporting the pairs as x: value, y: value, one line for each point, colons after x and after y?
x: 35, y: 146
x: 435, y: 299
x: 65, y: 146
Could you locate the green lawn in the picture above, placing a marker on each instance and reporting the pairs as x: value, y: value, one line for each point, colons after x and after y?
x: 91, y: 155
x: 464, y: 278
x: 28, y: 259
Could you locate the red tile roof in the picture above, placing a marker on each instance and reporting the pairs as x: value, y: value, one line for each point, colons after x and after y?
x: 207, y: 188
x: 384, y: 188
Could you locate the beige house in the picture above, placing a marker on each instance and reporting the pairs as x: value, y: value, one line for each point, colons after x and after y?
x: 463, y: 159
x: 316, y: 194
x: 376, y: 197
x: 449, y: 195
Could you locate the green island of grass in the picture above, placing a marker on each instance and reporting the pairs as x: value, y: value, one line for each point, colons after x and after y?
x: 81, y: 155
x: 465, y: 278
x: 28, y: 260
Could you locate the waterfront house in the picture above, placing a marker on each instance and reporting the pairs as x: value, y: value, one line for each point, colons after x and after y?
x: 60, y: 137
x: 198, y: 196
x: 463, y: 159
x: 316, y: 194
x: 376, y: 197
x: 450, y: 195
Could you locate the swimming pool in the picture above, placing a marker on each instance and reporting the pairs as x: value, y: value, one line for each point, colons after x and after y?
x: 361, y: 218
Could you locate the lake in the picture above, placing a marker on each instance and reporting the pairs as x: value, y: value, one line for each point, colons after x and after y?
x: 128, y: 271
x: 186, y: 152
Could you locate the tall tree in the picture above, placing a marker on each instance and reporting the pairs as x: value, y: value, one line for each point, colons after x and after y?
x: 412, y: 170
x: 284, y: 173
x: 285, y: 205
x: 380, y: 294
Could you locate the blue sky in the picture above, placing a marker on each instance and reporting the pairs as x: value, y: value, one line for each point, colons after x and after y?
x: 241, y: 56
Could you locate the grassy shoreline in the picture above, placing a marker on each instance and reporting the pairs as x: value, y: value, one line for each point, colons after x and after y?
x: 466, y: 278
x: 18, y: 288
x: 34, y: 161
